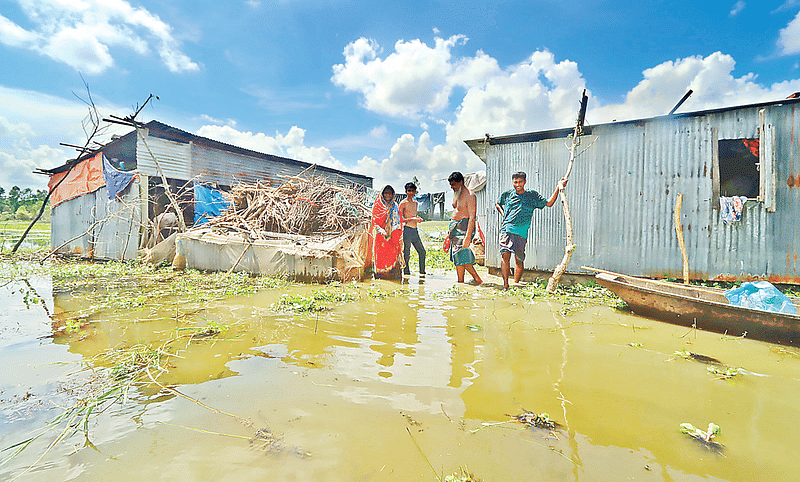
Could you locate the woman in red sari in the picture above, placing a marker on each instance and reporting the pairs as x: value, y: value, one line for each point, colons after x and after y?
x: 387, y: 251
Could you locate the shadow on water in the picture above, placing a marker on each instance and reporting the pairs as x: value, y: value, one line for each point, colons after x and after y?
x: 394, y: 383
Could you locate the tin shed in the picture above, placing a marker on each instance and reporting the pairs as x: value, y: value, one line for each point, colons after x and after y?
x: 627, y: 176
x: 85, y: 220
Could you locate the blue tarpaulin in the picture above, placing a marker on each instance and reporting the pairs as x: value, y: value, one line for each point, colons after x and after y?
x: 424, y: 201
x: 208, y: 203
x: 116, y: 180
x: 760, y: 295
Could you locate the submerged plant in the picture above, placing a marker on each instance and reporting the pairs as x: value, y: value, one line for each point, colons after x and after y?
x: 573, y: 297
x: 724, y: 373
x: 533, y: 419
x: 130, y: 286
x: 377, y: 293
x: 107, y: 385
x: 461, y: 475
x: 707, y: 436
x: 320, y: 300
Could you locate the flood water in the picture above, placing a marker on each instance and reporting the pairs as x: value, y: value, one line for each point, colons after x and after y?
x: 396, y: 388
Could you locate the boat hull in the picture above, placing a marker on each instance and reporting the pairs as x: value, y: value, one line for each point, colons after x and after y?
x: 703, y: 308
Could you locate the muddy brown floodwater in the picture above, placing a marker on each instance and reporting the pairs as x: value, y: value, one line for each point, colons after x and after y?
x: 396, y: 388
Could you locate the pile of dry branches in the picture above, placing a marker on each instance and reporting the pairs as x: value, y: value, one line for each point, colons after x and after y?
x: 301, y: 205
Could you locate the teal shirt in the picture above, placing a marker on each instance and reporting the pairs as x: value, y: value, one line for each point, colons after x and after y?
x: 518, y: 210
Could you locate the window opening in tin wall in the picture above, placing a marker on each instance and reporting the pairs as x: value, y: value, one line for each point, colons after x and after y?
x: 738, y: 167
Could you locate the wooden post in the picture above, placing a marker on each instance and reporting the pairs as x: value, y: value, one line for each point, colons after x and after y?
x: 570, y: 247
x: 681, y: 241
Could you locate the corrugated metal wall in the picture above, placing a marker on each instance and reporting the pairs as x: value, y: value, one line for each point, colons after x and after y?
x: 174, y: 158
x: 71, y: 219
x: 622, y: 195
x: 207, y: 164
x: 118, y: 236
x: 75, y: 222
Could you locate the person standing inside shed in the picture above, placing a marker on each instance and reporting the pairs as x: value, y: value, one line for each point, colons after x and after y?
x: 516, y: 207
x: 410, y: 217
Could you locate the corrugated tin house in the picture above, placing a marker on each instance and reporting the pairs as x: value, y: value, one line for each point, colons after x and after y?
x: 623, y: 188
x: 85, y: 221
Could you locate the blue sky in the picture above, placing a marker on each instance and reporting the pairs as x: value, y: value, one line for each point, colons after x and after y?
x: 388, y: 89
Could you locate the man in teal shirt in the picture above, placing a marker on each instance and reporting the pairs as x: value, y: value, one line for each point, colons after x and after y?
x: 516, y: 207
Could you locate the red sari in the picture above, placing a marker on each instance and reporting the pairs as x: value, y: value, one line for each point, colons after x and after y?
x: 387, y: 253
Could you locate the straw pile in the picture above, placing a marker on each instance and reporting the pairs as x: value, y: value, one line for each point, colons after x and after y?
x: 308, y: 206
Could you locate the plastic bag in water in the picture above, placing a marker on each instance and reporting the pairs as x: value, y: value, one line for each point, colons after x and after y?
x: 760, y: 295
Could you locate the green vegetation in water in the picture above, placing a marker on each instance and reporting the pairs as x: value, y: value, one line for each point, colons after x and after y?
x: 319, y: 300
x: 697, y: 357
x: 715, y: 367
x: 212, y: 328
x: 130, y: 286
x: 573, y: 297
x: 706, y: 437
x: 785, y: 351
x: 377, y: 293
x: 461, y: 475
x: 333, y: 294
x: 475, y: 327
x: 454, y: 291
x: 533, y: 419
x: 112, y: 375
x: 724, y: 373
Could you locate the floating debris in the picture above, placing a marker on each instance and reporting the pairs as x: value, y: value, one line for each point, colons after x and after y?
x: 697, y: 357
x: 720, y: 370
x: 264, y: 439
x: 461, y: 475
x: 724, y: 373
x: 706, y: 437
x: 533, y: 419
x: 475, y: 327
x: 411, y: 420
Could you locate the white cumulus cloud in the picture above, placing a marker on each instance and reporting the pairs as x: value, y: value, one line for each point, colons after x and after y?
x: 789, y: 37
x: 32, y: 125
x: 539, y: 93
x: 710, y: 78
x: 414, y: 80
x: 82, y: 34
x: 429, y: 162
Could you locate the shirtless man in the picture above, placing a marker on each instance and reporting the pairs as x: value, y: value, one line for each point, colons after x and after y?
x: 462, y: 228
x: 408, y: 213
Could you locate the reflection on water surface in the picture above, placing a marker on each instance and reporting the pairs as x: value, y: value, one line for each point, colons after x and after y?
x: 380, y: 387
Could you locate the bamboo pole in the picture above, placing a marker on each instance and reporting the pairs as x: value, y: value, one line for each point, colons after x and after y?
x: 559, y: 270
x: 681, y: 241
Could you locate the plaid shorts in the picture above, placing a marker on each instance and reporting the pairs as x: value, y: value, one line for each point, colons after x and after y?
x: 513, y: 243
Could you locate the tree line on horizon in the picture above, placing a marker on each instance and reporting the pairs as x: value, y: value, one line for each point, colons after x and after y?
x: 21, y: 204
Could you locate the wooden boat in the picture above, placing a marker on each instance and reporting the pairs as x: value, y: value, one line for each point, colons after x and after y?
x: 700, y: 307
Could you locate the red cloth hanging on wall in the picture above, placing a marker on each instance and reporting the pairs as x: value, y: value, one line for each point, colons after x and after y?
x: 83, y: 178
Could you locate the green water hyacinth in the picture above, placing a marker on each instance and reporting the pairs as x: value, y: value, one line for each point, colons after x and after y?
x: 704, y: 436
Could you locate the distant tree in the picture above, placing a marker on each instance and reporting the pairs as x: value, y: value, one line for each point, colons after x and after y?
x: 13, y: 199
x: 2, y: 199
x: 31, y: 200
